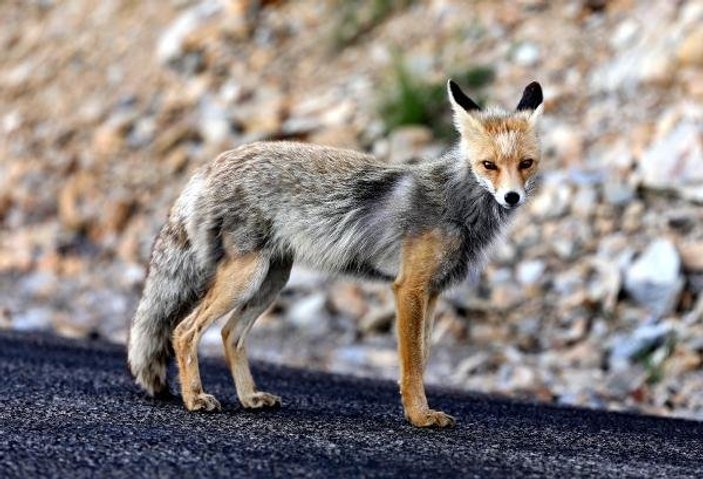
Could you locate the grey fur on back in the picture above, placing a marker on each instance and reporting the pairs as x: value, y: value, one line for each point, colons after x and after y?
x: 338, y: 211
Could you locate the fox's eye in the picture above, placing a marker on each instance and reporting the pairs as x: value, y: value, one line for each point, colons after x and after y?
x: 525, y: 164
x: 489, y: 165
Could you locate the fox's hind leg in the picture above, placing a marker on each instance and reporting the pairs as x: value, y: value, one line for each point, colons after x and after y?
x: 234, y: 335
x: 237, y: 280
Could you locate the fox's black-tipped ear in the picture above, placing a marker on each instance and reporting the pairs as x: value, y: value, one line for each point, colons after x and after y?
x: 531, y: 97
x: 460, y: 98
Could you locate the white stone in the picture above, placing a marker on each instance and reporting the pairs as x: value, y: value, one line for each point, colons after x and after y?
x: 309, y: 311
x: 530, y: 272
x: 626, y: 346
x: 214, y: 122
x: 654, y: 279
x: 170, y: 43
x: 527, y: 54
x: 675, y: 160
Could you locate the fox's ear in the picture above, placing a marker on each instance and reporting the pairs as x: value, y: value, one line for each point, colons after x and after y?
x: 532, y: 100
x: 463, y: 108
x: 459, y: 98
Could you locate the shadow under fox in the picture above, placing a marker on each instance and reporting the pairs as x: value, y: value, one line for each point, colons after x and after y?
x: 243, y: 220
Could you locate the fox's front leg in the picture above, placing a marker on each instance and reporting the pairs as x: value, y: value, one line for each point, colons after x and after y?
x: 414, y: 305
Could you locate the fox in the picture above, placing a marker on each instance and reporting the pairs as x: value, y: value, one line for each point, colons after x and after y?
x: 245, y: 218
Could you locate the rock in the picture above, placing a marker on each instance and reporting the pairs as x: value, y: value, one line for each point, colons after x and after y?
x: 526, y: 54
x: 143, y: 133
x: 214, y: 122
x: 553, y: 201
x: 170, y: 45
x: 674, y: 160
x: 653, y: 280
x: 66, y: 325
x: 625, y: 33
x: 303, y: 279
x: 476, y: 362
x: 692, y: 256
x: 174, y: 136
x: 348, y: 299
x: 530, y: 272
x: 565, y: 248
x: 604, y: 285
x: 117, y: 214
x: 407, y: 142
x: 76, y: 202
x: 691, y: 49
x: 358, y: 357
x: 567, y: 143
x: 309, y: 312
x: 626, y: 347
x: 337, y: 136
x: 504, y: 253
x: 585, y: 201
x: 570, y: 281
x: 5, y: 318
x: 513, y: 377
x: 378, y: 320
x: 632, y: 216
x: 11, y: 122
x: 505, y: 296
x: 693, y: 81
x: 656, y: 66
x: 463, y: 295
x: 448, y: 328
x: 300, y: 125
x: 37, y: 318
x: 624, y: 382
x: 263, y: 115
x: 694, y: 194
x: 109, y: 136
x: 618, y: 193
x: 648, y: 58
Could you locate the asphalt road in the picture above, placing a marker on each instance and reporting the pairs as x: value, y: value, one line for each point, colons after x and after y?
x: 69, y: 409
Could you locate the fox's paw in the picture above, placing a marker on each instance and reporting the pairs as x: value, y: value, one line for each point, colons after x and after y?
x: 203, y: 402
x: 260, y: 400
x: 430, y: 418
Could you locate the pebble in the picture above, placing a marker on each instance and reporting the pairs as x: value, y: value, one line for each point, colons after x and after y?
x: 676, y: 159
x: 690, y: 52
x: 626, y: 347
x: 692, y: 255
x: 530, y: 272
x: 405, y: 142
x: 654, y: 278
x: 309, y: 312
x: 170, y: 44
x: 527, y: 54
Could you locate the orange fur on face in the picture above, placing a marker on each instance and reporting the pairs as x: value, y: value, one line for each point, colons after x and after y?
x: 505, y: 142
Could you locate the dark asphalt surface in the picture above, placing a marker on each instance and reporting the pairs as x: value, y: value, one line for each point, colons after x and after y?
x: 70, y: 409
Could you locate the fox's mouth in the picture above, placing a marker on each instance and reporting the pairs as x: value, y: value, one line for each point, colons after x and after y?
x: 510, y: 207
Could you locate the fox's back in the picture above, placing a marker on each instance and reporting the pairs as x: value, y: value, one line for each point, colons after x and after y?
x: 334, y: 209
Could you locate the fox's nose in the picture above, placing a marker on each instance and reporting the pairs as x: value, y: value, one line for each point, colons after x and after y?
x: 512, y: 198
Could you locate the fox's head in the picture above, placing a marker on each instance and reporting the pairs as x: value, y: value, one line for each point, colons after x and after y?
x: 502, y: 147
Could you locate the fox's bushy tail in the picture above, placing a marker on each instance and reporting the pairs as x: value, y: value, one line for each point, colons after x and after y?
x: 175, y: 282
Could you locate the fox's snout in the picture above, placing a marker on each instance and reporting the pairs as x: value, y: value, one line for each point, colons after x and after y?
x: 512, y: 199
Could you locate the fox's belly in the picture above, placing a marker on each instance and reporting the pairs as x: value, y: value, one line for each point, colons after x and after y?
x: 384, y: 265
